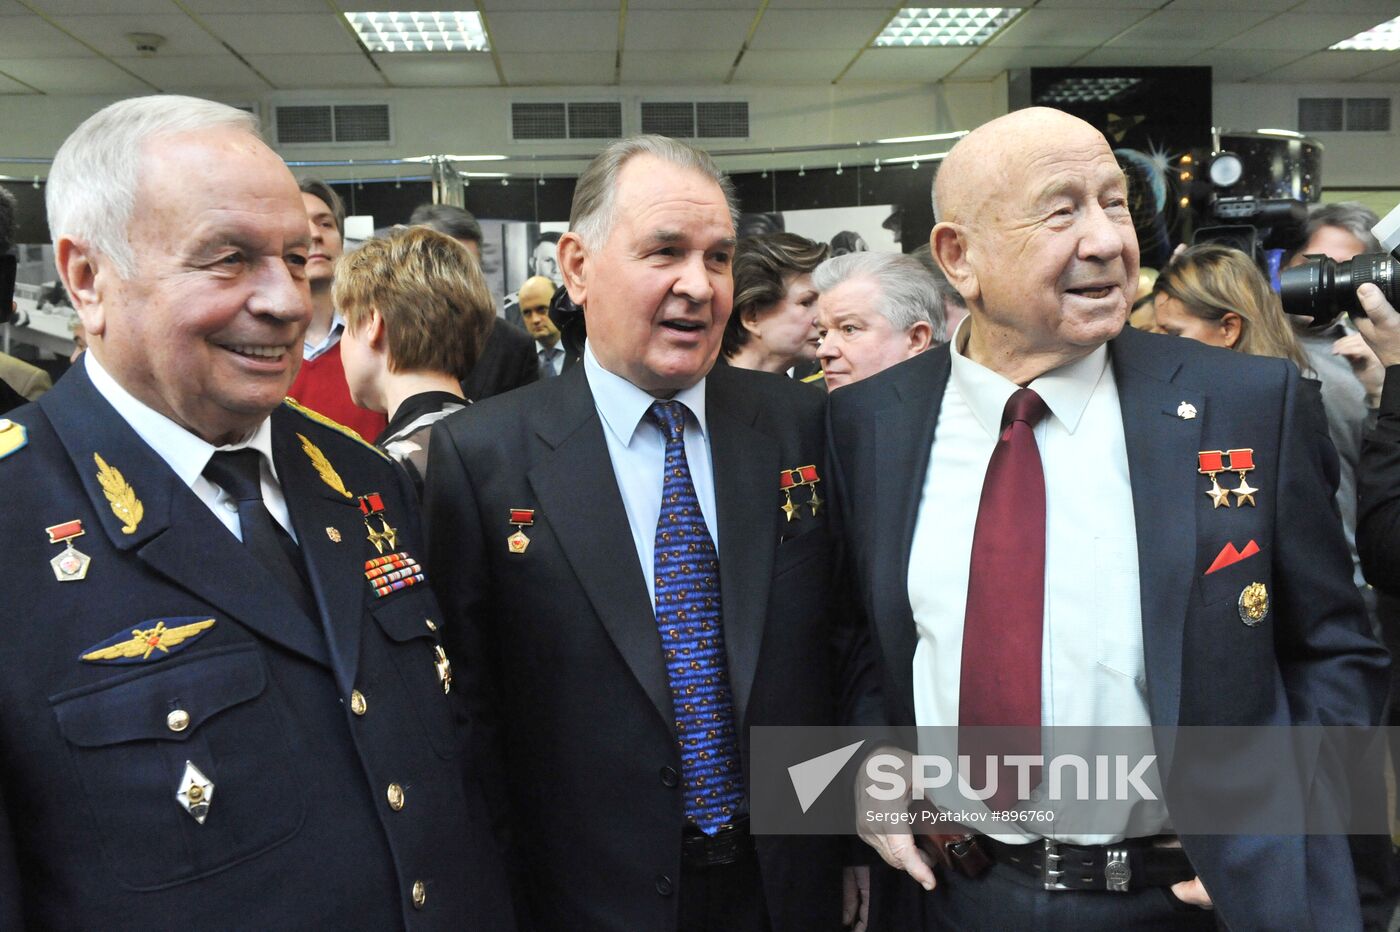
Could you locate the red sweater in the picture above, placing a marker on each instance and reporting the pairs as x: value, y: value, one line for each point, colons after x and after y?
x: 320, y: 386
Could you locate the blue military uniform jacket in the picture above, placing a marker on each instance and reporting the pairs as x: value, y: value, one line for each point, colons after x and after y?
x: 326, y: 749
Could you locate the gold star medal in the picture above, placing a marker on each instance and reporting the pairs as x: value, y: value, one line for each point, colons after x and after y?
x: 786, y: 482
x: 1242, y: 461
x: 72, y: 564
x: 521, y: 518
x: 372, y: 505
x: 1209, y: 463
x: 807, y: 475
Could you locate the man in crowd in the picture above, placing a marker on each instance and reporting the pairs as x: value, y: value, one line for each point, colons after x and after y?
x: 874, y: 309
x: 1109, y: 573
x: 536, y: 295
x: 320, y: 385
x: 641, y: 572
x: 508, y: 359
x: 221, y: 706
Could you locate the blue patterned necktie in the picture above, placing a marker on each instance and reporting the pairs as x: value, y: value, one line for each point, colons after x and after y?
x: 692, y: 636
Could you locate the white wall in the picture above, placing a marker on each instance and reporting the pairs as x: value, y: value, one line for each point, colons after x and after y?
x: 477, y: 120
x: 1364, y: 160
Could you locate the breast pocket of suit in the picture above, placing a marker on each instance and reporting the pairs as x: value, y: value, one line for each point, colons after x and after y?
x: 410, y: 621
x: 1241, y: 588
x: 151, y: 746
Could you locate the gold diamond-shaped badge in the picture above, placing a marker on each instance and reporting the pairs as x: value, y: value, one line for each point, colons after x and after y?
x: 1254, y: 604
x: 195, y: 793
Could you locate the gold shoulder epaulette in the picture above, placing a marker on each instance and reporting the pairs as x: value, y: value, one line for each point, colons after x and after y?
x: 336, y: 426
x: 814, y: 377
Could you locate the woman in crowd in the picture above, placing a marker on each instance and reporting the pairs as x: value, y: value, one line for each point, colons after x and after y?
x: 1217, y: 295
x: 773, y: 327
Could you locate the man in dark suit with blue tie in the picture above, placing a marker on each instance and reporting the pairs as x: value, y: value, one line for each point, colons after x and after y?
x: 224, y: 701
x: 639, y: 571
x: 1154, y: 544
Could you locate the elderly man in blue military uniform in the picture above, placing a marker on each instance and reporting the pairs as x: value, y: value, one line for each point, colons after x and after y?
x: 224, y: 704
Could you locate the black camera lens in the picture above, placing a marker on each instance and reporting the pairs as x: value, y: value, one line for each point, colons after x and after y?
x: 1321, y: 288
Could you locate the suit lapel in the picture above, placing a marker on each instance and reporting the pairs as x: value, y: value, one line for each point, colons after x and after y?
x: 335, y: 569
x: 746, y: 480
x: 578, y: 495
x: 176, y: 535
x: 904, y: 430
x: 1162, y: 449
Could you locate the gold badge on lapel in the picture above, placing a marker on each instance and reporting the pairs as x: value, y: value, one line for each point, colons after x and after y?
x: 333, y: 534
x: 521, y: 518
x: 120, y: 495
x: 323, y: 466
x: 1254, y: 603
x: 444, y: 668
x: 71, y: 565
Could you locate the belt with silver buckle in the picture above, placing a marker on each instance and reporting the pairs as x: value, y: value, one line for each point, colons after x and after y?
x: 1130, y: 864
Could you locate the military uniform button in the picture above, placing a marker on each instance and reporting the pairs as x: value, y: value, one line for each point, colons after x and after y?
x: 395, y: 795
x: 669, y: 777
x: 664, y: 885
x: 420, y: 894
x: 357, y: 702
x: 178, y: 720
x: 431, y: 625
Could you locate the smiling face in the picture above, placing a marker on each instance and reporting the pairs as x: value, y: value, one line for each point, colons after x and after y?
x: 658, y: 292
x: 208, y: 330
x: 1046, y: 256
x: 326, y: 243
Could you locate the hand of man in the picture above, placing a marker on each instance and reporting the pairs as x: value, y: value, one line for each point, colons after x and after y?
x: 1364, y: 362
x: 855, y: 897
x: 892, y: 839
x: 1193, y: 893
x: 1381, y: 325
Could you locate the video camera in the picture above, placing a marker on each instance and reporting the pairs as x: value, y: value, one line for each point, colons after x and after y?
x: 1254, y: 226
x: 1321, y: 288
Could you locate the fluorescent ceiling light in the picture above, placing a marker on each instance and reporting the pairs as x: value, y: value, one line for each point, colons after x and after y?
x: 1382, y: 38
x: 484, y: 174
x: 917, y: 26
x: 1086, y: 90
x: 931, y: 137
x: 1281, y: 132
x: 927, y: 157
x: 456, y: 158
x: 420, y: 31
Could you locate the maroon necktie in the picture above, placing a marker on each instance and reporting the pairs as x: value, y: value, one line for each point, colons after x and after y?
x: 1001, y: 652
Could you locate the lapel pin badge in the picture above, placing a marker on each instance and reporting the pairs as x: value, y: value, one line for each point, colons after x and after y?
x: 72, y: 564
x: 195, y: 793
x: 1186, y: 411
x: 333, y: 534
x: 1210, y: 463
x: 1254, y: 604
x: 521, y: 518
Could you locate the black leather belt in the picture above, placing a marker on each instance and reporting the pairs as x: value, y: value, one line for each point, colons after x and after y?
x: 728, y: 845
x: 1130, y: 864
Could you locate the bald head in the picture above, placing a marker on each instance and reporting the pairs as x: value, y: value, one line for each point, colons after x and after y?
x: 1035, y: 234
x: 980, y: 163
x: 535, y: 297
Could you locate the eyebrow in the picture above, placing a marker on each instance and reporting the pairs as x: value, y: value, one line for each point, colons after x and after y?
x: 668, y: 237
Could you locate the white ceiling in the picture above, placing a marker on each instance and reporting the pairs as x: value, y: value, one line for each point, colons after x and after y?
x: 253, y: 46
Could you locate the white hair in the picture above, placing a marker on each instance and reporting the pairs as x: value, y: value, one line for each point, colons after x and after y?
x: 908, y: 293
x: 592, y: 213
x: 91, y: 191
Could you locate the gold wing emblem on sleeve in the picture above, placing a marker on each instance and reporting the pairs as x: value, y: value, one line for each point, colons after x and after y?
x: 146, y: 641
x: 324, y: 469
x: 120, y: 495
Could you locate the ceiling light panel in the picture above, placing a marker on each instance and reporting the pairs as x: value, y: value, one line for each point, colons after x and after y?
x: 420, y: 31
x: 940, y: 26
x: 1382, y: 38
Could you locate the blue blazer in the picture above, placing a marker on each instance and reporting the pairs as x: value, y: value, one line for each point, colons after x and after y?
x: 1311, y: 661
x: 300, y: 830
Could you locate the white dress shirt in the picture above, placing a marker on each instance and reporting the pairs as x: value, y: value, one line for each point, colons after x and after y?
x: 556, y: 359
x: 310, y: 351
x: 1092, y: 671
x: 638, y: 455
x: 187, y: 455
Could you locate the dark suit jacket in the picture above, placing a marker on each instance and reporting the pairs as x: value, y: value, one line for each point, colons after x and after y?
x: 299, y: 832
x: 1311, y: 661
x: 507, y: 361
x: 577, y: 681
